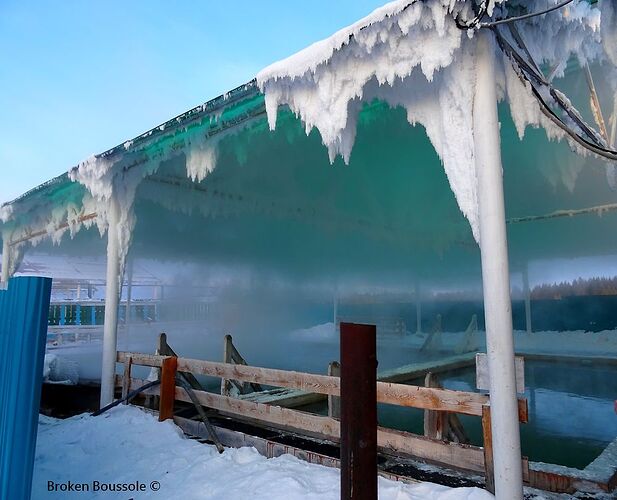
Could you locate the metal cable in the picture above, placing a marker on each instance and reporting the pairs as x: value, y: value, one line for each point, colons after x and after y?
x: 525, y: 16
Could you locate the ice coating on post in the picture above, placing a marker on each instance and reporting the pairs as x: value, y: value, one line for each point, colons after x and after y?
x: 106, y: 186
x: 412, y: 54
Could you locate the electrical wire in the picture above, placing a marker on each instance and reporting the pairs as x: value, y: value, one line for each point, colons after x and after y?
x: 530, y: 74
x: 475, y: 21
x: 525, y: 16
x: 126, y: 398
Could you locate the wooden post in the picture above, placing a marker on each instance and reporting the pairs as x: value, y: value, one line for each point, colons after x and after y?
x: 168, y: 388
x: 126, y: 380
x: 435, y: 422
x: 166, y: 350
x: 488, y: 448
x: 358, y: 412
x: 334, y: 402
x: 232, y: 355
x: 227, y: 351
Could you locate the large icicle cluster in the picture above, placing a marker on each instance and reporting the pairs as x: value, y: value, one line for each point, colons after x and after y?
x: 408, y: 53
x: 104, y: 179
x: 412, y: 54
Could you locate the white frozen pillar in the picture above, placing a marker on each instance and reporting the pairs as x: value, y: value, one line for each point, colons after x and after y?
x: 527, y: 293
x: 495, y: 278
x: 112, y: 295
x: 4, y: 278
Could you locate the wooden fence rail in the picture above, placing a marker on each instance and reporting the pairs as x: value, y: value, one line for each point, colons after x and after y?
x: 426, y: 398
x: 391, y: 441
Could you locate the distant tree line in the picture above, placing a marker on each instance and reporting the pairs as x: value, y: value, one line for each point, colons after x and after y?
x: 578, y: 287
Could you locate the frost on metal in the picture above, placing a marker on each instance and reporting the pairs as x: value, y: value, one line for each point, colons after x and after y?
x: 5, y: 212
x: 105, y: 179
x: 412, y: 54
x: 407, y: 53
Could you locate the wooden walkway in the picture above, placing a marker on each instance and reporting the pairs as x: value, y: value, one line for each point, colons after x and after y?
x: 293, y: 398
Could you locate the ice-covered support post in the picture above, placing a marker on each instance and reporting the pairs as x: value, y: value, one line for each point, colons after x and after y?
x: 527, y: 293
x: 4, y: 277
x: 358, y: 412
x: 112, y: 296
x: 495, y: 277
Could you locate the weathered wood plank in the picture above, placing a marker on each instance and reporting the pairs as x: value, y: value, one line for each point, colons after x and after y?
x: 427, y: 398
x: 460, y: 456
x: 308, y: 382
x: 334, y: 402
x: 455, y: 455
x: 289, y: 398
x: 418, y: 370
x: 483, y: 376
x: 227, y: 358
x: 153, y: 360
x: 435, y: 422
x: 126, y: 379
x: 398, y: 394
x: 489, y: 472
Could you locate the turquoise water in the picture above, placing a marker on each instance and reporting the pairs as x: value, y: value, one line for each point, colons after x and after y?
x: 571, y: 405
x: 571, y: 413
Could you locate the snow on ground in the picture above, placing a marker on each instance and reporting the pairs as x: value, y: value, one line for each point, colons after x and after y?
x: 126, y: 445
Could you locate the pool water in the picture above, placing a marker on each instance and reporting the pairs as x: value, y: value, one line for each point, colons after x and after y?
x: 571, y: 405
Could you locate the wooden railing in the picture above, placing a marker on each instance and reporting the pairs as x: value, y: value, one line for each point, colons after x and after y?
x: 461, y: 456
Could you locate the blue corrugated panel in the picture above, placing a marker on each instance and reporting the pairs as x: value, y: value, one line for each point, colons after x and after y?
x: 24, y: 307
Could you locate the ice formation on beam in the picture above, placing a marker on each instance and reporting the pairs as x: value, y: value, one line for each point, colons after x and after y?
x: 407, y: 53
x: 412, y: 54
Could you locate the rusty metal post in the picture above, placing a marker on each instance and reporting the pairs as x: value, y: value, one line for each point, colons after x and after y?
x: 168, y: 388
x: 358, y: 412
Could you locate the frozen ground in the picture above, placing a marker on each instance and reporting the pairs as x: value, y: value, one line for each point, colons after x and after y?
x: 127, y: 445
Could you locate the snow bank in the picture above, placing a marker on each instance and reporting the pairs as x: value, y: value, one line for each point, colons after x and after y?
x: 318, y: 333
x: 127, y: 445
x: 57, y: 370
x: 412, y: 54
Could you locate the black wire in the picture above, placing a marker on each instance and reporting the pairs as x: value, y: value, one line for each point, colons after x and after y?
x: 526, y: 73
x: 524, y: 66
x: 128, y: 397
x: 526, y: 16
x: 475, y: 21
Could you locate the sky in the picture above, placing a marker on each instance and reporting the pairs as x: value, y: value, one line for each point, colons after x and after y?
x: 79, y: 77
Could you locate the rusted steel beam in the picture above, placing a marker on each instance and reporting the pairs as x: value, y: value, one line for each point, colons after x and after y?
x: 358, y: 412
x: 168, y: 388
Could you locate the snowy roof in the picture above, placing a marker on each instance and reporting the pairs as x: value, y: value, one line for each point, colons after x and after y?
x: 218, y: 185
